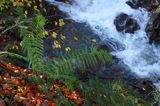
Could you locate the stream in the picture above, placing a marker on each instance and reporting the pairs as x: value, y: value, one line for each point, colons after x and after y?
x: 133, y: 49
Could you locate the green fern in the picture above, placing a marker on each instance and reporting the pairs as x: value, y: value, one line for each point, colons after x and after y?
x: 33, y: 43
x: 83, y: 59
x: 110, y: 94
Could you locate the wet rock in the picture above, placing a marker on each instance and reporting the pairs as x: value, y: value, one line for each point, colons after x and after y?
x: 153, y: 28
x: 149, y: 85
x: 132, y: 4
x: 147, y: 4
x: 105, y: 47
x: 124, y: 23
x: 112, y: 71
x: 77, y: 35
x: 51, y: 13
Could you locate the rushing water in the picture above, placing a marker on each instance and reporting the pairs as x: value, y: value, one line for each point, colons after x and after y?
x: 142, y: 58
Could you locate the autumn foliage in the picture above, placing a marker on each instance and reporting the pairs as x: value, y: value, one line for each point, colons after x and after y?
x: 17, y: 86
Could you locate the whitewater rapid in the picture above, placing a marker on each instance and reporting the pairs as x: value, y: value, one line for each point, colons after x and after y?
x: 142, y: 58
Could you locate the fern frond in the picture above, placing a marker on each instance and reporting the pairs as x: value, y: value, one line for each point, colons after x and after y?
x: 86, y: 58
x: 82, y: 59
x: 33, y: 43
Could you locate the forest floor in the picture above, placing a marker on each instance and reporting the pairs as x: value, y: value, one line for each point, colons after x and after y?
x: 15, y: 86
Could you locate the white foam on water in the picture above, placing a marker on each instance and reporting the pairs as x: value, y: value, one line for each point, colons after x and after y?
x: 141, y: 57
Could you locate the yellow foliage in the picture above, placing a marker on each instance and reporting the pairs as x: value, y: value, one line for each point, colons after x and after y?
x: 29, y: 4
x: 67, y: 49
x: 54, y: 35
x: 21, y: 4
x: 75, y: 38
x: 61, y: 22
x: 94, y: 40
x: 20, y: 43
x: 45, y: 33
x: 26, y: 12
x: 57, y: 45
x: 63, y: 37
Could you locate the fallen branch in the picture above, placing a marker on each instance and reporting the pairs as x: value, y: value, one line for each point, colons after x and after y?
x: 117, y: 78
x: 13, y: 55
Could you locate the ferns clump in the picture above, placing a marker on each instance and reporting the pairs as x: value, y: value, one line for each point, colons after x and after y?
x: 32, y: 42
x: 110, y: 94
x: 78, y: 60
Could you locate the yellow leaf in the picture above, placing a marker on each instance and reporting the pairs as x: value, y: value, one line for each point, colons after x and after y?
x: 26, y: 12
x: 56, y: 44
x: 75, y: 38
x: 35, y: 7
x: 63, y: 37
x: 28, y: 4
x: 54, y: 35
x: 67, y: 49
x: 45, y: 33
x: 94, y: 40
x: 61, y: 22
x: 14, y: 4
x: 21, y: 4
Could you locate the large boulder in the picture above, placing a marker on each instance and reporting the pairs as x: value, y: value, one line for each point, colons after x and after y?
x: 153, y: 28
x: 124, y: 23
x: 148, y: 4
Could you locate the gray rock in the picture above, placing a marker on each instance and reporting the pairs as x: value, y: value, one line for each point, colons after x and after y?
x: 147, y: 4
x: 153, y: 28
x: 124, y: 23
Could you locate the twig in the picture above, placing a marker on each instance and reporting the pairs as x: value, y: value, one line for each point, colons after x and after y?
x: 13, y: 26
x: 113, y: 78
x: 13, y: 55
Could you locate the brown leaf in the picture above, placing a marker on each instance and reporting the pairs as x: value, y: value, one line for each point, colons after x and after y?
x: 2, y: 103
